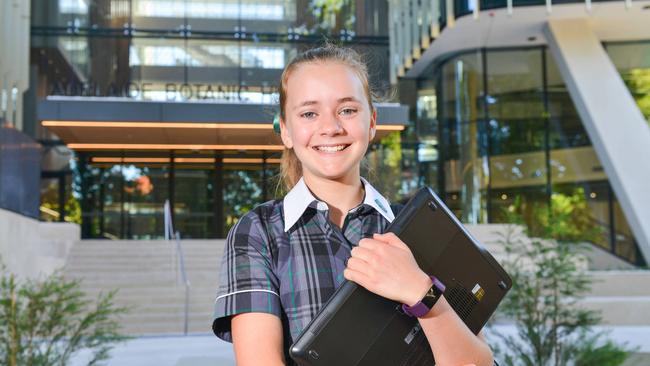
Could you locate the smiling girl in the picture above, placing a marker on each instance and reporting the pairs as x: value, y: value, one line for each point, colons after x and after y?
x: 285, y: 258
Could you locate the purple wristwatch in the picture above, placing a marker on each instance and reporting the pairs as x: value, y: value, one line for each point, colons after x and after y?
x: 422, y: 307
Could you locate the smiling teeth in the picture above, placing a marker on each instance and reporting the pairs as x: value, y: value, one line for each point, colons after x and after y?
x: 331, y: 148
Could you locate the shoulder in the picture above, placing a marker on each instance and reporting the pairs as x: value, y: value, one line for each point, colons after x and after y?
x: 261, y: 218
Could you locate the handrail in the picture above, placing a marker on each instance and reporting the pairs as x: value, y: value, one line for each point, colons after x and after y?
x: 176, y: 237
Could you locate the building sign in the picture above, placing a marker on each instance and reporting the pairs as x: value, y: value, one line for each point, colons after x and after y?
x: 171, y: 91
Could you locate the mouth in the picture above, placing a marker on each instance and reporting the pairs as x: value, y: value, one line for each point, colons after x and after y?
x: 330, y: 148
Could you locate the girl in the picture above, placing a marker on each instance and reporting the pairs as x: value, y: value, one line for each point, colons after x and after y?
x: 284, y: 259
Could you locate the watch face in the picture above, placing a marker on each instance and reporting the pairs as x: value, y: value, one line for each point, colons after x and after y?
x: 431, y: 297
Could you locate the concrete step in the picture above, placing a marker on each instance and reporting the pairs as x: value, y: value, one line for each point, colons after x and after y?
x: 161, y: 300
x: 94, y: 257
x: 143, y: 280
x: 172, y: 326
x: 109, y: 269
x: 622, y: 310
x: 147, y: 282
x: 620, y: 283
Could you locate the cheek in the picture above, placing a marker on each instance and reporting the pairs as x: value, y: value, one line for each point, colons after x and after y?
x: 301, y: 135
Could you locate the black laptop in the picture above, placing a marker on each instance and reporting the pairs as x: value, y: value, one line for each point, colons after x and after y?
x: 357, y: 327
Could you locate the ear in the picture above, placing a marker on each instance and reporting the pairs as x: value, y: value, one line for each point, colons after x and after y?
x: 285, y: 135
x: 373, y: 123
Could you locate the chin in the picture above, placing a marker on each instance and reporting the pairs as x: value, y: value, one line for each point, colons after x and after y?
x: 335, y: 175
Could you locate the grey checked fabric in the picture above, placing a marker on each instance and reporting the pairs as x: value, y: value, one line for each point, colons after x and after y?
x: 289, y: 274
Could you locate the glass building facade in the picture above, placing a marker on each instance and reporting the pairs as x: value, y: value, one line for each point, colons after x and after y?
x: 494, y: 131
x: 175, y: 51
x: 503, y: 142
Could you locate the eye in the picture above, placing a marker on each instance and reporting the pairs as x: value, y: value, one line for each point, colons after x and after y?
x: 308, y: 115
x: 348, y: 111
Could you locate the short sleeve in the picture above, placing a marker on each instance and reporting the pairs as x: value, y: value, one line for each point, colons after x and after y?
x: 247, y: 282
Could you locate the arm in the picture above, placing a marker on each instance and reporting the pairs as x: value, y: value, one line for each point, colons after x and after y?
x: 385, y: 265
x: 247, y: 307
x: 257, y: 339
x: 450, y: 339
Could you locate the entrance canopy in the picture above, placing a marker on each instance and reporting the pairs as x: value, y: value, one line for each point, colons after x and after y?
x: 94, y: 123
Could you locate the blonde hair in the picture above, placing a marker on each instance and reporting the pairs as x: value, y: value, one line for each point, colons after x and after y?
x: 290, y: 166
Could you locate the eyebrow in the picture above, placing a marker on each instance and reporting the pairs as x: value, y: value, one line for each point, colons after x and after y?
x: 313, y: 102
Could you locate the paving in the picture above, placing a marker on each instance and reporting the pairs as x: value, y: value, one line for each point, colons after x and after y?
x: 206, y: 349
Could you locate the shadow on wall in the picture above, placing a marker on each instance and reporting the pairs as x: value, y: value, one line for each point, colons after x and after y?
x: 20, y: 172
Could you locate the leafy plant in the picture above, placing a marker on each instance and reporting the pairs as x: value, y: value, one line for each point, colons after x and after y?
x: 45, y: 322
x: 570, y: 217
x: 552, y: 329
x: 638, y: 82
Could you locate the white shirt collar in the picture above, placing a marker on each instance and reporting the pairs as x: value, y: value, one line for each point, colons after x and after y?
x: 298, y: 199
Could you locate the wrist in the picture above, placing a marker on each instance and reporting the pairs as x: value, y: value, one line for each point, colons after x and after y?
x: 422, y: 286
x: 425, y: 305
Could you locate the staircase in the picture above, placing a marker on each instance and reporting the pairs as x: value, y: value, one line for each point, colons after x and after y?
x: 144, y: 273
x: 145, y: 276
x: 621, y: 296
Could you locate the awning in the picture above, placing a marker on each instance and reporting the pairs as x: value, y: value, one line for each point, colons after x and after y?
x: 99, y: 123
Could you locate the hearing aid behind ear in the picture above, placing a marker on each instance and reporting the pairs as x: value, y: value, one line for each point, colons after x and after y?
x: 276, y: 123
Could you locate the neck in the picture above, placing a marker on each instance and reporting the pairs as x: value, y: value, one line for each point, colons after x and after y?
x: 340, y: 195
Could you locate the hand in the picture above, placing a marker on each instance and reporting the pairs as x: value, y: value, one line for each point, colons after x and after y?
x: 385, y: 266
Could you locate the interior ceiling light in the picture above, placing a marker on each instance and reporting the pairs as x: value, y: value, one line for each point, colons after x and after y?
x: 84, y: 146
x: 188, y: 125
x: 153, y: 160
x: 198, y: 125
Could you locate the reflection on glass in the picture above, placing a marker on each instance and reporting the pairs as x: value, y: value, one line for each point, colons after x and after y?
x: 543, y: 170
x: 517, y: 143
x: 462, y: 119
x: 565, y: 126
x: 426, y: 148
x: 382, y: 166
x: 625, y: 243
x: 220, y: 9
x: 146, y: 189
x: 194, y: 208
x: 73, y: 7
x: 633, y: 63
x: 49, y: 210
x: 242, y: 191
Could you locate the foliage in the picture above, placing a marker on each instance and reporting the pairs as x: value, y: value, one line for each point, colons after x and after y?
x: 332, y: 14
x: 242, y: 192
x: 569, y: 218
x: 45, y: 322
x: 638, y: 82
x: 552, y: 329
x: 382, y: 165
x: 50, y: 200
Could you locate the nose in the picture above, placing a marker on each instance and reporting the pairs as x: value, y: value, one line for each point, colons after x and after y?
x: 331, y: 126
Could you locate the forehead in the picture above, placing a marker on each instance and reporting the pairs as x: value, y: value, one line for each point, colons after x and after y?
x: 323, y: 81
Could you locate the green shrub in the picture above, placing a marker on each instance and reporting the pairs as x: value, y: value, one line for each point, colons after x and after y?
x: 552, y: 329
x: 45, y: 322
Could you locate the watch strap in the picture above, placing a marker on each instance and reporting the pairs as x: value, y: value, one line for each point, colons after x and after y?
x: 422, y: 307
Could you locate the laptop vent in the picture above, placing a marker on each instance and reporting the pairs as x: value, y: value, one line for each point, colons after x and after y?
x: 461, y: 300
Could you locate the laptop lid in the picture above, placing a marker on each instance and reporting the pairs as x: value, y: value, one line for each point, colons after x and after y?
x: 357, y: 327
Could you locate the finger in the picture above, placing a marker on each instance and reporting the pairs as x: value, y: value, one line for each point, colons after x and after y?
x: 365, y: 254
x: 358, y: 265
x: 391, y: 239
x: 356, y: 277
x: 369, y: 243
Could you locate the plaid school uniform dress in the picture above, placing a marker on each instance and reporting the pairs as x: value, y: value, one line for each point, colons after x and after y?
x: 286, y: 258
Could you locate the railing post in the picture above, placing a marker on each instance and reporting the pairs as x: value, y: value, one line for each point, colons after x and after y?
x: 178, y: 262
